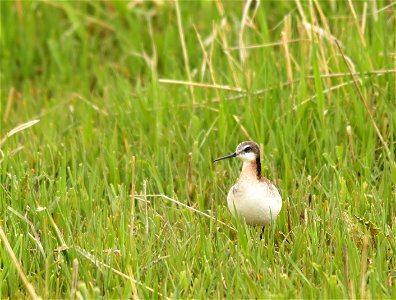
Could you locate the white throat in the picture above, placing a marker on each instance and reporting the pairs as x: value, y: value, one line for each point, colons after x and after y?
x: 247, y: 157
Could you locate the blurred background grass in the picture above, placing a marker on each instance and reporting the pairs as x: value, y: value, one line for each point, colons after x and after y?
x: 93, y: 74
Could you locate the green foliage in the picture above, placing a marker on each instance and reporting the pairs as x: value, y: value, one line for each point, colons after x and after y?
x: 90, y: 71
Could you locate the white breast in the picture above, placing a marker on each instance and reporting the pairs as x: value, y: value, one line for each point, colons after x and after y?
x: 258, y: 203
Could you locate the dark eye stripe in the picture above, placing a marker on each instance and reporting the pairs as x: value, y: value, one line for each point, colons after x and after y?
x: 247, y: 149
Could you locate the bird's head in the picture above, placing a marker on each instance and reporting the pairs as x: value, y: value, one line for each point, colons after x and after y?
x: 246, y: 151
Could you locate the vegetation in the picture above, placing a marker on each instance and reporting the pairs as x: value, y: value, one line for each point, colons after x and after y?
x: 110, y: 81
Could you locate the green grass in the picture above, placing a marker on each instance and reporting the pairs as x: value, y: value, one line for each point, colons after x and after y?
x: 90, y: 72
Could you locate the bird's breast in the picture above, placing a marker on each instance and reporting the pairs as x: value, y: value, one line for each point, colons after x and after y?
x: 258, y: 203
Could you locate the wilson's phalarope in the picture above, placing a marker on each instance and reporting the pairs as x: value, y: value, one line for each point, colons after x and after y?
x: 253, y: 197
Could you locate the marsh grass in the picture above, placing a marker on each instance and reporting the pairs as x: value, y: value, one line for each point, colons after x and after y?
x: 110, y: 81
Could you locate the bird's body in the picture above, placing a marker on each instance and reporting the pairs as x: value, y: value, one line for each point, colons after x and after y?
x: 257, y: 200
x: 253, y: 197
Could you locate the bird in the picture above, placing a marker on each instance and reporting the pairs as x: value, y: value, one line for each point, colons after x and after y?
x: 254, y: 198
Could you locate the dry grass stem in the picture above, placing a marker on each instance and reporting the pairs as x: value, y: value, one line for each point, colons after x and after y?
x: 146, y: 206
x: 154, y: 55
x: 18, y: 129
x: 320, y: 32
x: 46, y: 279
x: 29, y: 287
x: 142, y: 199
x: 376, y: 11
x: 302, y: 14
x: 190, y: 208
x: 236, y: 118
x: 286, y: 34
x: 98, y: 264
x: 364, y: 17
x: 79, y: 296
x: 190, y: 177
x: 321, y: 46
x: 314, y: 96
x: 59, y: 235
x: 306, y: 217
x: 261, y: 145
x: 361, y: 35
x: 330, y: 89
x: 350, y: 142
x: 280, y: 43
x: 375, y: 72
x: 367, y: 108
x: 289, y: 218
x: 231, y: 62
x: 184, y: 49
x: 19, y: 10
x: 348, y: 282
x: 256, y: 93
x: 326, y: 26
x: 242, y: 51
x: 220, y: 7
x: 363, y: 274
x: 10, y: 101
x: 132, y: 217
x: 92, y: 105
x: 334, y: 75
x: 205, y: 85
x: 207, y: 60
x: 36, y: 237
x: 74, y: 279
x: 132, y: 280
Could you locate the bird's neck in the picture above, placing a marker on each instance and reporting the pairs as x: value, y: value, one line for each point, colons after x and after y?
x: 251, y: 170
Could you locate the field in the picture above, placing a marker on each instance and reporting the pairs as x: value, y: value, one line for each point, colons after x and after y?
x: 113, y: 193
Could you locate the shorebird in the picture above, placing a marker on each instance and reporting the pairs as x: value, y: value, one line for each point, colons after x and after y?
x: 253, y: 197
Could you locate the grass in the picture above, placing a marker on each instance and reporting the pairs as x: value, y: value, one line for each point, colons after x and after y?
x: 91, y: 73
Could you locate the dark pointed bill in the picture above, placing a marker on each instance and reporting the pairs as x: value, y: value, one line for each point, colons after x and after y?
x: 225, y: 157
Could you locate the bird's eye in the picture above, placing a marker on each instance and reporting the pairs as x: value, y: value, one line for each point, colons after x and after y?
x: 247, y: 149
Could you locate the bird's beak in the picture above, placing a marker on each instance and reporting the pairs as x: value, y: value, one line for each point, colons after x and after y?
x: 225, y: 157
